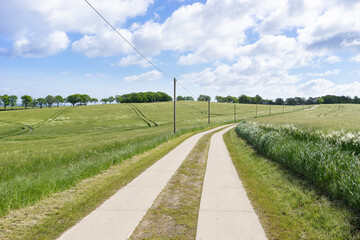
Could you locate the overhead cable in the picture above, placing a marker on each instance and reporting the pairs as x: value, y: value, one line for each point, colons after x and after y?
x: 127, y: 40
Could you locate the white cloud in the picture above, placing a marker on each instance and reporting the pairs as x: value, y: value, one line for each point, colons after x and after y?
x: 323, y: 74
x: 40, y: 46
x: 22, y: 20
x: 104, y: 44
x: 355, y: 59
x: 144, y: 77
x: 321, y: 87
x: 133, y: 60
x: 333, y: 59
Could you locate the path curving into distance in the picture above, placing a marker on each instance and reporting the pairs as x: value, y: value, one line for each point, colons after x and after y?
x: 118, y: 216
x: 225, y: 210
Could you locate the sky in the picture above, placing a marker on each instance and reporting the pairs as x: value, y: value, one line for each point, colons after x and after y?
x: 282, y: 48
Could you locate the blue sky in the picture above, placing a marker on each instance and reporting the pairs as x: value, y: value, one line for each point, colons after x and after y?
x: 281, y: 48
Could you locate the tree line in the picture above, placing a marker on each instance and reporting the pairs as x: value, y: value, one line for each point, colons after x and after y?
x: 82, y: 99
x: 143, y: 97
x: 327, y: 99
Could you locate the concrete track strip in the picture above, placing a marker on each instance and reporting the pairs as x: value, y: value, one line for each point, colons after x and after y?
x: 225, y: 210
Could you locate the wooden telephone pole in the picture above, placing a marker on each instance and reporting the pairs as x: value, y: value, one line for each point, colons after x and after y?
x: 174, y: 105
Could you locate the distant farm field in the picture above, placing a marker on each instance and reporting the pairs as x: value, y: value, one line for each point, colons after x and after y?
x: 43, y: 151
x: 325, y: 117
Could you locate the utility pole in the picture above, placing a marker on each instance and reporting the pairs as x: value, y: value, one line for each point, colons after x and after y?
x: 174, y: 105
x: 234, y: 112
x: 209, y: 111
x: 256, y: 111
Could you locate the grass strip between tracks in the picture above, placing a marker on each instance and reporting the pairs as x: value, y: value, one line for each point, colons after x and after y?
x: 175, y: 211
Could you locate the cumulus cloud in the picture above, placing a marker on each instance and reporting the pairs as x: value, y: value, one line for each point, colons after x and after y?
x: 144, y: 77
x: 104, y: 44
x: 23, y: 20
x: 40, y: 46
x: 321, y: 86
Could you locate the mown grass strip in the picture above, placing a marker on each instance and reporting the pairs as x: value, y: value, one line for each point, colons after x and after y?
x: 50, y: 217
x: 175, y: 211
x: 289, y: 206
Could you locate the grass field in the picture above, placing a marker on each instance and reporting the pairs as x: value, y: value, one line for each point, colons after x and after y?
x: 325, y: 117
x: 48, y: 150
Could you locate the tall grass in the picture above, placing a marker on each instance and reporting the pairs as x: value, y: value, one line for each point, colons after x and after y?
x: 321, y: 158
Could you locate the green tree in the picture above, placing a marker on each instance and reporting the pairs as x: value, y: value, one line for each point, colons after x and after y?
x: 319, y: 100
x: 180, y: 98
x: 59, y: 99
x: 118, y: 98
x: 244, y: 99
x: 279, y: 101
x: 26, y: 100
x: 85, y: 99
x: 50, y: 100
x: 204, y: 98
x: 13, y: 101
x: 74, y: 99
x: 5, y: 100
x: 41, y: 102
x: 94, y: 100
x: 230, y: 99
x: 104, y: 100
x: 34, y: 103
x: 219, y: 99
x: 290, y: 101
x: 258, y: 99
x: 111, y: 99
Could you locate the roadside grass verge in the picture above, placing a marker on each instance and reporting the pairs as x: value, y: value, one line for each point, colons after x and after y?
x: 175, y: 211
x: 48, y: 218
x: 289, y: 206
x: 325, y: 163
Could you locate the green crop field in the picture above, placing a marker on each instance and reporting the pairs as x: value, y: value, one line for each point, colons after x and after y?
x: 48, y: 150
x: 325, y: 117
x: 322, y: 144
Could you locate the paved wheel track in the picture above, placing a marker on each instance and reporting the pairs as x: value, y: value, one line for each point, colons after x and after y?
x: 118, y: 217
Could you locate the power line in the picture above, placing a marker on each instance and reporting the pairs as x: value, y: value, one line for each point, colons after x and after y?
x: 185, y: 88
x: 127, y: 40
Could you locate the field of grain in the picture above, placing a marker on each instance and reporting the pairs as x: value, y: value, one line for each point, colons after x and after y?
x: 322, y: 144
x: 48, y: 150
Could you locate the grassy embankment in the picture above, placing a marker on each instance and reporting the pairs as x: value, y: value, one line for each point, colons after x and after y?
x: 316, y: 169
x: 49, y: 150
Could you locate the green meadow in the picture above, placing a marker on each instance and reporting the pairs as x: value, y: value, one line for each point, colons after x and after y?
x: 49, y: 150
